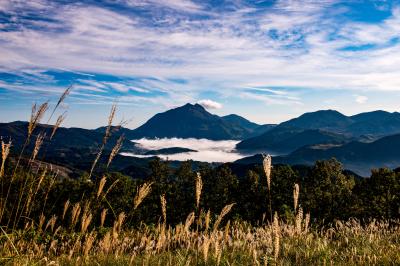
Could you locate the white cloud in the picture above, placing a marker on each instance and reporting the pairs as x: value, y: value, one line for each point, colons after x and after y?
x: 210, y: 104
x: 207, y: 150
x: 361, y: 99
x: 181, y: 5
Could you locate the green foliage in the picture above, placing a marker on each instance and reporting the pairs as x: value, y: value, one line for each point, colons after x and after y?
x: 326, y: 192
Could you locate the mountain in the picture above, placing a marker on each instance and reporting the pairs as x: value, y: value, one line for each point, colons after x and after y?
x: 325, y: 119
x: 169, y: 151
x: 65, y: 138
x: 333, y: 127
x: 253, y: 128
x: 356, y: 156
x: 236, y: 120
x: 193, y: 121
x: 378, y: 123
x: 284, y: 140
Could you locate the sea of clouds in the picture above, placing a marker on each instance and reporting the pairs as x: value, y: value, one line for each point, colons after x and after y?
x: 207, y: 150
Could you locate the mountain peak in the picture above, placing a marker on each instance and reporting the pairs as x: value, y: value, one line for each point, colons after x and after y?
x: 326, y: 112
x: 190, y: 106
x: 320, y: 119
x: 191, y: 121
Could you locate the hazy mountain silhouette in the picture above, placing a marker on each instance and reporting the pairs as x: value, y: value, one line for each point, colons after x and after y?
x: 356, y: 156
x: 333, y: 127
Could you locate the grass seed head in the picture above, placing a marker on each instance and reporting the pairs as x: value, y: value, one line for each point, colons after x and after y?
x: 189, y: 221
x: 5, y: 151
x: 141, y: 194
x: 296, y: 193
x: 101, y: 186
x: 116, y: 149
x: 36, y: 116
x: 163, y: 207
x: 199, y: 187
x: 103, y: 217
x: 299, y: 220
x: 38, y: 145
x: 58, y: 123
x: 276, y: 233
x: 66, y: 206
x: 267, y: 169
x: 223, y: 213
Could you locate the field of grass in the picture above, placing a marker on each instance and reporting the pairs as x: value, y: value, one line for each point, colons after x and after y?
x: 192, y: 243
x: 84, y: 232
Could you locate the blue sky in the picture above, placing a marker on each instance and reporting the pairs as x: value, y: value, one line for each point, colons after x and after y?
x: 265, y: 60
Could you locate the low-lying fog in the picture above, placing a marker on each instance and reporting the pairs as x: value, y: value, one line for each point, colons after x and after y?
x: 207, y: 150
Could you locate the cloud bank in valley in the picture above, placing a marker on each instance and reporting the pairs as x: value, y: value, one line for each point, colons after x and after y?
x: 207, y: 150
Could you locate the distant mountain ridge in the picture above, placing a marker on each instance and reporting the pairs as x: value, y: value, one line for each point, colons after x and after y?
x: 356, y: 156
x: 65, y: 138
x: 333, y: 127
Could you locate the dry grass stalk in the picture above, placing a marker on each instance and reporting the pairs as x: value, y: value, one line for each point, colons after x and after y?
x: 59, y: 121
x: 141, y: 194
x: 107, y: 134
x: 31, y: 194
x: 118, y: 224
x: 199, y: 187
x: 306, y: 223
x: 267, y: 169
x: 103, y: 217
x: 101, y: 185
x: 276, y: 234
x: 51, y: 223
x: 76, y: 211
x: 189, y: 221
x: 5, y: 151
x: 218, y: 250
x: 296, y: 193
x: 105, y: 243
x: 223, y: 213
x: 299, y: 219
x: 88, y: 243
x: 38, y: 144
x: 110, y: 120
x: 116, y: 149
x: 85, y: 221
x: 226, y: 231
x: 207, y: 220
x: 109, y: 189
x: 28, y: 201
x: 41, y: 178
x: 63, y: 96
x: 42, y: 218
x: 66, y: 206
x: 36, y: 116
x: 267, y: 165
x: 206, y: 246
x: 255, y: 260
x: 163, y: 207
